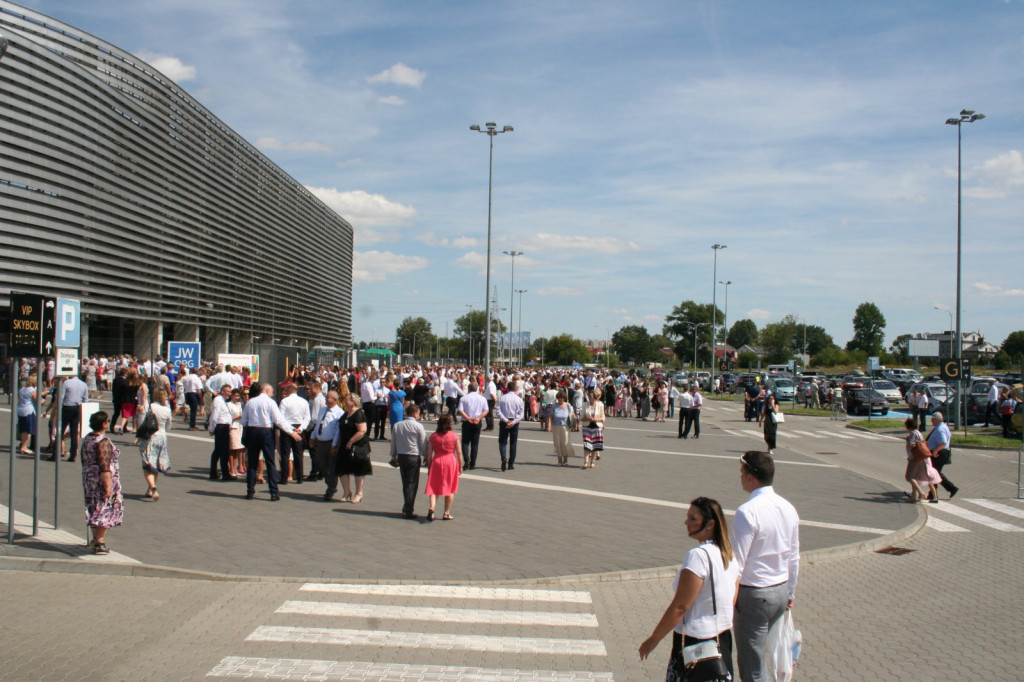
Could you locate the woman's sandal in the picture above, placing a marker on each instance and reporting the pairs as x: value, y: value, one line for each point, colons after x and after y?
x: 447, y: 517
x: 100, y: 548
x: 430, y: 515
x: 149, y: 491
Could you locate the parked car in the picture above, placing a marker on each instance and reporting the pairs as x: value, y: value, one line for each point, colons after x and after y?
x: 851, y: 381
x: 939, y: 396
x: 865, y: 401
x: 888, y: 390
x: 744, y: 380
x: 977, y: 400
x: 783, y: 388
x: 899, y: 374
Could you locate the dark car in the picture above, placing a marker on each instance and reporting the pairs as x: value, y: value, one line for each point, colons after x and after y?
x: 745, y: 380
x: 865, y: 401
x: 939, y: 395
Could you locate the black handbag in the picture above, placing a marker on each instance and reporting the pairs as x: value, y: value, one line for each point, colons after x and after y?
x: 708, y: 669
x: 148, y: 426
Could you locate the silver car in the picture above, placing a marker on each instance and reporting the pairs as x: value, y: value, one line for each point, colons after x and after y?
x: 783, y: 388
x: 888, y: 390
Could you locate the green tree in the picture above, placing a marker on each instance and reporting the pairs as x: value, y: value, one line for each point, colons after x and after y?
x: 680, y: 324
x: 777, y: 340
x: 747, y: 360
x: 633, y: 343
x: 414, y: 335
x: 565, y: 349
x: 831, y: 357
x: 469, y: 331
x: 868, y: 329
x: 1013, y: 346
x: 898, y: 349
x: 817, y: 339
x: 741, y: 333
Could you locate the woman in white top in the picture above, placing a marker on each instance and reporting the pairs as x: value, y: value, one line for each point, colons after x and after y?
x: 155, y: 457
x: 693, y: 614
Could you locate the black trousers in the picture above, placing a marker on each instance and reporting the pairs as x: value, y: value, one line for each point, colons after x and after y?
x: 286, y: 445
x: 70, y: 417
x: 684, y: 421
x: 221, y: 438
x: 508, y: 437
x: 409, y: 468
x: 260, y: 442
x: 694, y: 421
x: 380, y: 420
x: 470, y: 444
x: 942, y: 460
x: 490, y: 415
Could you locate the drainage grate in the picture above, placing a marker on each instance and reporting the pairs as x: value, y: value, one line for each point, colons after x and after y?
x: 895, y: 551
x: 826, y: 453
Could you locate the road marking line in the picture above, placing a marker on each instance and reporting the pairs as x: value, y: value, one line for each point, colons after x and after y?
x: 426, y: 640
x: 867, y: 436
x: 808, y: 433
x: 63, y: 541
x: 455, y: 592
x: 355, y: 671
x: 944, y: 526
x: 977, y: 518
x: 995, y: 506
x: 447, y: 615
x: 842, y: 435
x: 755, y: 434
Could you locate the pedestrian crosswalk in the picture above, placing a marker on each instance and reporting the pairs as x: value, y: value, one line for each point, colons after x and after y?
x: 783, y: 434
x: 330, y: 616
x: 1005, y: 518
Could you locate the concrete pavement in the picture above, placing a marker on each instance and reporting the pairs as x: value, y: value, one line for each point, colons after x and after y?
x: 864, y: 616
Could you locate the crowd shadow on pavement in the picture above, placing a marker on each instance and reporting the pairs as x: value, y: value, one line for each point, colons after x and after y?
x: 883, y: 497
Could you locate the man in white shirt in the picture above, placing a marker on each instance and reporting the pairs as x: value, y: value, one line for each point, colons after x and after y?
x: 685, y: 404
x: 192, y: 387
x: 993, y: 402
x: 491, y: 394
x: 452, y: 393
x: 220, y: 426
x: 408, y: 446
x: 766, y: 544
x: 317, y: 402
x: 259, y: 417
x: 472, y: 408
x: 295, y: 409
x: 510, y: 410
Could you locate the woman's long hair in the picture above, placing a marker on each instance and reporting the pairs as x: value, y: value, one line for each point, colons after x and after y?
x: 711, y: 510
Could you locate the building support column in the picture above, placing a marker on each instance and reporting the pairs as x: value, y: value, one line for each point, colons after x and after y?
x: 242, y: 343
x: 149, y: 338
x: 217, y: 342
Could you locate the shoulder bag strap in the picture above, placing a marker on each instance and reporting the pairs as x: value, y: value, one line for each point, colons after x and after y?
x: 714, y: 600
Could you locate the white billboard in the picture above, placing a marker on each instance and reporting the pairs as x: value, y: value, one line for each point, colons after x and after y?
x: 923, y: 348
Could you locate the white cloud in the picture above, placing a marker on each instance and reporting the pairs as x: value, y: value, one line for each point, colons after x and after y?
x: 431, y: 239
x: 560, y: 291
x: 378, y: 266
x: 364, y: 209
x: 268, y: 143
x: 473, y: 260
x: 399, y: 74
x: 758, y: 314
x: 611, y: 245
x: 393, y: 100
x: 998, y: 176
x: 989, y: 290
x: 169, y: 66
x: 619, y: 311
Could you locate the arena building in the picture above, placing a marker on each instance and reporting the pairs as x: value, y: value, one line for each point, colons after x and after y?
x: 120, y: 190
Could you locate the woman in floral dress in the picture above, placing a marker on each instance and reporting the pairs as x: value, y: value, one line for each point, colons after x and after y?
x: 101, y: 480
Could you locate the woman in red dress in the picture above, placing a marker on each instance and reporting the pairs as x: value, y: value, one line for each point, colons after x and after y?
x: 444, y: 464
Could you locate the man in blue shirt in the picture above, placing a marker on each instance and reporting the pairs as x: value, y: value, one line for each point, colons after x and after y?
x: 939, y: 441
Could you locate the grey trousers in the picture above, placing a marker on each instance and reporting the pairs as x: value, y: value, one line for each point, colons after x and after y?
x: 757, y: 609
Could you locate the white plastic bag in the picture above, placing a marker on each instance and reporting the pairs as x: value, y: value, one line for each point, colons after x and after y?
x: 783, y: 648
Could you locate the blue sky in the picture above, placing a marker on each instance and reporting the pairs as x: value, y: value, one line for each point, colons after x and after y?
x: 808, y: 137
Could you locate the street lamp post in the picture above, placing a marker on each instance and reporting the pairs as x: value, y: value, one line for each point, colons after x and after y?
x: 470, y: 316
x: 725, y: 319
x: 714, y: 292
x: 519, y: 336
x: 966, y: 116
x: 491, y: 131
x: 511, y: 295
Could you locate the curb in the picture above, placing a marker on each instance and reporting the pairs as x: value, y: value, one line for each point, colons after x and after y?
x: 45, y: 565
x: 1007, y: 448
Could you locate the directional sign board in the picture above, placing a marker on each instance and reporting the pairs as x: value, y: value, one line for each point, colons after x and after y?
x: 184, y: 353
x: 33, y: 327
x: 67, y: 362
x: 69, y: 329
x: 953, y: 370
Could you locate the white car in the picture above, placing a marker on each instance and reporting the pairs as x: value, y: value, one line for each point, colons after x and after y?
x: 888, y: 391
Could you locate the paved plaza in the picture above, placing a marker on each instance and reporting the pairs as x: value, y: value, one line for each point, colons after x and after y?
x: 545, y: 573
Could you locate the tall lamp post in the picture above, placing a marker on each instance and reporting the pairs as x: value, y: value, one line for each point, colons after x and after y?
x: 470, y: 316
x: 491, y: 129
x: 725, y: 319
x: 519, y: 336
x: 511, y: 296
x: 966, y: 116
x: 714, y: 292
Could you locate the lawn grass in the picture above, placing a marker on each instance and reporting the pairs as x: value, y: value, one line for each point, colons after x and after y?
x: 877, y: 423
x: 981, y: 439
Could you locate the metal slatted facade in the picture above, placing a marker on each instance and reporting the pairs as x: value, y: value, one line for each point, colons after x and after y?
x: 119, y: 189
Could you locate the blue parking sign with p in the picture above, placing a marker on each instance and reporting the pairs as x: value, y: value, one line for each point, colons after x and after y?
x: 184, y: 353
x: 69, y: 323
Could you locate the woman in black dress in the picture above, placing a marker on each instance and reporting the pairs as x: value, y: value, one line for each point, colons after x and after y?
x: 771, y: 427
x: 353, y: 449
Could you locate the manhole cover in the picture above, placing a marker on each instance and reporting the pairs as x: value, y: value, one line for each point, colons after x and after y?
x: 895, y: 551
x: 827, y: 453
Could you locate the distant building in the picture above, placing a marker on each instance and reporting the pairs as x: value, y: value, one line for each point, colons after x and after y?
x: 973, y: 345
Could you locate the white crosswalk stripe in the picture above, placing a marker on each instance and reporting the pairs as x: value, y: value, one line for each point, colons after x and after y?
x: 997, y: 507
x: 947, y: 508
x: 866, y: 436
x: 572, y: 641
x: 944, y: 526
x: 807, y: 433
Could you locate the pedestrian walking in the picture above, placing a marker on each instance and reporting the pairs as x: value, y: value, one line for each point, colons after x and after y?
x: 472, y: 409
x: 766, y: 542
x: 156, y: 458
x: 593, y: 430
x: 701, y: 611
x: 510, y: 409
x: 561, y: 423
x: 408, y: 444
x: 920, y: 471
x: 444, y: 466
x: 940, y: 442
x: 772, y: 417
